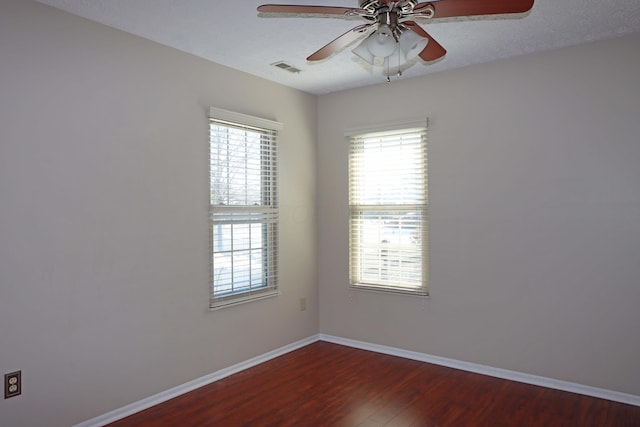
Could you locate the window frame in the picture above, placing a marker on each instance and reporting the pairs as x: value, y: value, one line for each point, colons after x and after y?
x: 391, y: 211
x: 265, y: 213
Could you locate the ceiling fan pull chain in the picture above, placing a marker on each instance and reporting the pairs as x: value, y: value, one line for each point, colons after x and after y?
x: 388, y: 73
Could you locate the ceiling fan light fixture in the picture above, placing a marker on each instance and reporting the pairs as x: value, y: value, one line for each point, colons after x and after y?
x: 382, y: 43
x: 412, y: 43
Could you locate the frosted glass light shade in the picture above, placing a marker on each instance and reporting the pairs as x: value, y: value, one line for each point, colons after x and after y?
x: 363, y: 52
x: 412, y: 44
x: 381, y: 43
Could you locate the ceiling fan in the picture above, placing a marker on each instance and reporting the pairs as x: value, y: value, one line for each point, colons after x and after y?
x: 390, y: 32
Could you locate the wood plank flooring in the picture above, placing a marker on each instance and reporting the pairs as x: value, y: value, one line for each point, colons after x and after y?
x: 326, y: 384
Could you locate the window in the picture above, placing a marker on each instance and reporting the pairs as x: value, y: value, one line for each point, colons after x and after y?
x: 243, y: 208
x: 388, y: 209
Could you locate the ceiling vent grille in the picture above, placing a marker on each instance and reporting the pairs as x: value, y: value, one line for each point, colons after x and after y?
x: 287, y: 67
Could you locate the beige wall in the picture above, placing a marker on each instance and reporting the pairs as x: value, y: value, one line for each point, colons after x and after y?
x: 103, y: 217
x: 534, y: 215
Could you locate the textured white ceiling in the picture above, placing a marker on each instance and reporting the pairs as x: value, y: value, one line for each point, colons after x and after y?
x: 231, y: 33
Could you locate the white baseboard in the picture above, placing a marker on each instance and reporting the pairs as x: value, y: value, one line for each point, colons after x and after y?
x: 148, y: 402
x: 488, y: 370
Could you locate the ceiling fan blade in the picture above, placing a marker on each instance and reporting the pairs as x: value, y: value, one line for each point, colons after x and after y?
x: 434, y: 50
x: 455, y: 8
x: 341, y: 42
x: 319, y: 10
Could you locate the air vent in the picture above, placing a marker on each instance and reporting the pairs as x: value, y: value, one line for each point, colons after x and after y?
x: 287, y: 67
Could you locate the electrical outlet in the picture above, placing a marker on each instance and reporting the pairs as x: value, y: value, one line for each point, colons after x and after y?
x: 303, y: 304
x: 12, y: 384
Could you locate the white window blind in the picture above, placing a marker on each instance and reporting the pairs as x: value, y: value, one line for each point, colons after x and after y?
x: 243, y: 208
x: 388, y: 210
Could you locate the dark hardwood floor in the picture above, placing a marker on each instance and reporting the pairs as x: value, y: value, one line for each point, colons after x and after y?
x: 325, y: 384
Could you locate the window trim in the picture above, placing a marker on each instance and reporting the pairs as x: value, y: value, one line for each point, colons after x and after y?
x: 263, y: 125
x: 244, y: 119
x: 391, y: 128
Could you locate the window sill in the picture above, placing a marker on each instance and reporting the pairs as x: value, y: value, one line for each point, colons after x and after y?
x: 218, y: 305
x: 395, y: 291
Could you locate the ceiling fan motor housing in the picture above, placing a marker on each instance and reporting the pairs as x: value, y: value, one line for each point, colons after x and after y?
x: 371, y: 6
